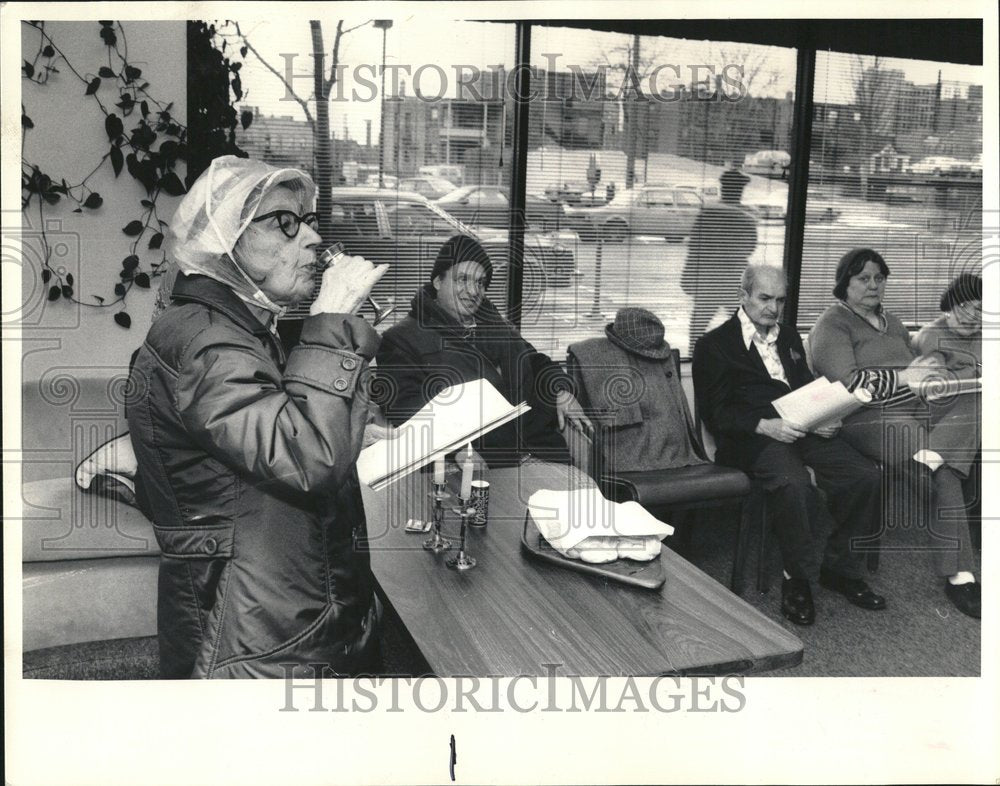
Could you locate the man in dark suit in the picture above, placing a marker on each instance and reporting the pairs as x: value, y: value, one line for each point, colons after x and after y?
x: 740, y: 368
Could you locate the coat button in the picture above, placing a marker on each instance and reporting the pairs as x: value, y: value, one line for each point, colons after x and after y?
x: 211, y: 545
x: 340, y: 384
x: 349, y: 364
x: 670, y: 374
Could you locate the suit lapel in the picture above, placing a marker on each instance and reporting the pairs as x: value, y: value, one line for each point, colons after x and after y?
x: 793, y: 366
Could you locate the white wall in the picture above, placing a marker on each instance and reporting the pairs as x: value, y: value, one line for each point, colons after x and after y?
x: 68, y: 140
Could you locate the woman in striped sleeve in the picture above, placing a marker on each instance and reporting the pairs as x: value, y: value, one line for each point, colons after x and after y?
x: 859, y: 343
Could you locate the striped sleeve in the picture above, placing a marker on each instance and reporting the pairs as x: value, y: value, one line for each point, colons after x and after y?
x: 884, y: 386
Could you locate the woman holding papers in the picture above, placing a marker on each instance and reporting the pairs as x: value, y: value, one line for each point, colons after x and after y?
x: 246, y: 457
x: 858, y: 343
x: 454, y: 334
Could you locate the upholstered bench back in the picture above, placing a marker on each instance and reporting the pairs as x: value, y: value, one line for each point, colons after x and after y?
x: 89, y: 564
x: 65, y: 416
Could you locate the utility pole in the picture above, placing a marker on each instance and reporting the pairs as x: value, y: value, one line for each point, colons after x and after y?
x: 383, y: 25
x: 631, y: 117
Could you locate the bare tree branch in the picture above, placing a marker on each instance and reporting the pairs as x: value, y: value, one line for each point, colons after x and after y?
x: 352, y: 29
x: 329, y: 83
x: 301, y: 102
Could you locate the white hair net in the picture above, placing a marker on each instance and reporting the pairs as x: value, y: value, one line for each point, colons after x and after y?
x: 217, y: 210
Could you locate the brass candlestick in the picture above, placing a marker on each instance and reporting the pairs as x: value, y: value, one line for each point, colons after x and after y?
x: 436, y: 542
x: 463, y: 561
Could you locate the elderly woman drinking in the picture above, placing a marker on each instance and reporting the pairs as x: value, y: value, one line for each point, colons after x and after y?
x: 859, y: 343
x: 246, y: 456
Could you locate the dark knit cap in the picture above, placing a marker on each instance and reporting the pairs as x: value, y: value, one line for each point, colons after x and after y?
x: 962, y: 289
x: 852, y: 263
x: 461, y: 248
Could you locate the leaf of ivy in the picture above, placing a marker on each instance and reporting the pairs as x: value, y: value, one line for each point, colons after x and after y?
x: 106, y: 72
x: 69, y: 279
x: 156, y: 241
x: 93, y: 201
x: 123, y: 320
x: 117, y: 160
x: 237, y: 87
x: 48, y: 51
x: 130, y: 262
x: 26, y: 121
x: 142, y: 280
x: 55, y: 293
x: 132, y: 73
x: 113, y: 126
x: 29, y: 69
x: 98, y: 298
x: 95, y: 83
x: 246, y: 118
x: 108, y: 35
x: 145, y: 203
x: 172, y: 184
x: 67, y: 291
x: 46, y: 275
x: 133, y: 228
x: 120, y: 290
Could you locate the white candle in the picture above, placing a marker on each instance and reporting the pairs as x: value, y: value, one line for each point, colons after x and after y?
x: 439, y: 470
x: 467, y: 474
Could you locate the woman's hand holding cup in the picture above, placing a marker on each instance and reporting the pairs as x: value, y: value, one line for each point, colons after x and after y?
x: 345, y: 285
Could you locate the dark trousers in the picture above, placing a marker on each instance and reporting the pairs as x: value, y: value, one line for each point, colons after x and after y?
x: 798, y: 516
x: 952, y: 430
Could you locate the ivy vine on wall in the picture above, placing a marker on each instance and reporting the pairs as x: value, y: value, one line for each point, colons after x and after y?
x: 144, y: 140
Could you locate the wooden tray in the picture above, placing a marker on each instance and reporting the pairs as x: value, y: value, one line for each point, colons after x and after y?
x: 647, y: 575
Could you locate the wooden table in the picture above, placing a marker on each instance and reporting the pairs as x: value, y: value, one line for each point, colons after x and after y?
x: 511, y: 615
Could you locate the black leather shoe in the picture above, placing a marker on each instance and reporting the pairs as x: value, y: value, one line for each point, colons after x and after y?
x: 966, y: 597
x: 855, y: 590
x: 797, y: 601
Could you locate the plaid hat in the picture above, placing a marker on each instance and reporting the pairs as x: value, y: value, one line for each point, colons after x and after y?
x: 461, y: 248
x: 640, y: 332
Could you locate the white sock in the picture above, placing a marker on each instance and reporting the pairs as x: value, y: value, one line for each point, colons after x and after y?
x: 785, y: 573
x: 962, y: 577
x: 930, y: 458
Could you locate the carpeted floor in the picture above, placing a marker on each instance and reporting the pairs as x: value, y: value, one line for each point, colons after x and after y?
x: 920, y: 634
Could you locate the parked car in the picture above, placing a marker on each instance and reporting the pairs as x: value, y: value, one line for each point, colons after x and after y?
x: 452, y: 172
x: 371, y: 180
x: 773, y: 163
x: 771, y: 205
x: 427, y: 186
x: 941, y: 165
x: 489, y: 206
x: 668, y: 211
x: 405, y: 231
x: 707, y: 190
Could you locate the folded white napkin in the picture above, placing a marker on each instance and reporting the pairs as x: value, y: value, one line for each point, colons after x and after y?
x: 583, y: 524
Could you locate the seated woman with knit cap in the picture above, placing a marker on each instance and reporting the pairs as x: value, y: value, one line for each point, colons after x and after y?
x: 454, y: 334
x: 859, y: 343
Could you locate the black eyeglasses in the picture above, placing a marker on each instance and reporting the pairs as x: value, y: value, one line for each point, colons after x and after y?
x: 290, y: 222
